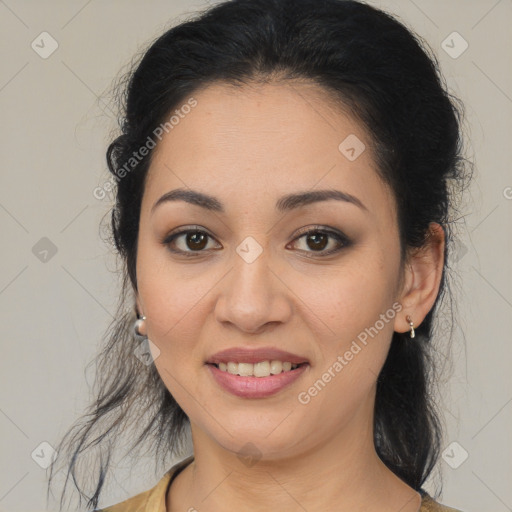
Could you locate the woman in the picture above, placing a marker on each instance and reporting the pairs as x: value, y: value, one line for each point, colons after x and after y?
x: 285, y: 178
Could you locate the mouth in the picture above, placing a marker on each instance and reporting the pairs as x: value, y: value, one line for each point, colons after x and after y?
x: 255, y: 372
x: 255, y: 380
x: 260, y: 369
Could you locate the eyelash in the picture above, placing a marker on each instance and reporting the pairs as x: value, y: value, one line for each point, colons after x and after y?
x: 339, y: 237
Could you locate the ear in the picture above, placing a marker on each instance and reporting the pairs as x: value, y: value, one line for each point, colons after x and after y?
x: 423, y: 273
x: 138, y: 305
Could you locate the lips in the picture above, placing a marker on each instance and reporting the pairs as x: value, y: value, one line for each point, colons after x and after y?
x: 255, y: 387
x: 255, y: 355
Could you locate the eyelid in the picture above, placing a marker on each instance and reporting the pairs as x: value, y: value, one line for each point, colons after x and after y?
x: 185, y: 229
x: 323, y: 229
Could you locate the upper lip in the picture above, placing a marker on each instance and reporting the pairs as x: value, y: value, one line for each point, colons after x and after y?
x: 254, y: 355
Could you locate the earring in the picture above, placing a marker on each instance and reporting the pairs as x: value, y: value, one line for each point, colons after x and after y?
x: 408, y: 318
x: 138, y: 324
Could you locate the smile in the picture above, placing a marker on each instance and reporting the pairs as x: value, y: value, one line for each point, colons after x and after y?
x: 251, y: 386
x: 259, y: 369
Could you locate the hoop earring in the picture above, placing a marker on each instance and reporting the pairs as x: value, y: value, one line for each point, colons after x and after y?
x: 412, y: 333
x: 138, y: 324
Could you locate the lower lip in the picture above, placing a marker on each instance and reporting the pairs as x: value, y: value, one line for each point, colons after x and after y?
x: 255, y: 387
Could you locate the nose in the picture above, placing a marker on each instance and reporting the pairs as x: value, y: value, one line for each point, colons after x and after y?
x: 253, y: 296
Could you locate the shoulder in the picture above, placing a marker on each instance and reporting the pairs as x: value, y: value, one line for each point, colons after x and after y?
x: 428, y: 504
x: 152, y: 500
x: 143, y: 501
x: 136, y: 503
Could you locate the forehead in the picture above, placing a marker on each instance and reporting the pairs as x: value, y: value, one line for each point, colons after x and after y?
x: 266, y: 140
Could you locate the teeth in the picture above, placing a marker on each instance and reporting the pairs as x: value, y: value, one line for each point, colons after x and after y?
x: 260, y: 369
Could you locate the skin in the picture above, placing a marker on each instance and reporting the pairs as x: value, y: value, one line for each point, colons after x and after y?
x: 248, y: 147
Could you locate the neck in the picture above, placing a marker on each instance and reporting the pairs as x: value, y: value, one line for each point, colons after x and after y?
x: 345, y: 471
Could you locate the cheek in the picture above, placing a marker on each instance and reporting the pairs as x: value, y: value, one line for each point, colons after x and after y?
x: 350, y: 297
x: 168, y: 292
x: 355, y: 306
x: 170, y: 305
x: 176, y: 315
x: 176, y: 309
x: 351, y: 359
x: 173, y: 301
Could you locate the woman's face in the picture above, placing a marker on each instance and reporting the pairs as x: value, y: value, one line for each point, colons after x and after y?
x: 252, y: 279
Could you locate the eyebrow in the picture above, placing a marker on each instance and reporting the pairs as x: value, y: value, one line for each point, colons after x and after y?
x: 284, y: 204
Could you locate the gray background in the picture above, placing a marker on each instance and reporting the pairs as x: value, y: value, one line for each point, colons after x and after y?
x: 56, y: 122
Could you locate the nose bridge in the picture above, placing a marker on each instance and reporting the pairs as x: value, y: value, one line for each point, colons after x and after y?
x: 252, y: 296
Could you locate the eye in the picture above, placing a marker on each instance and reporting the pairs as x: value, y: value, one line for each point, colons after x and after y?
x: 318, y: 238
x: 193, y: 241
x: 189, y: 241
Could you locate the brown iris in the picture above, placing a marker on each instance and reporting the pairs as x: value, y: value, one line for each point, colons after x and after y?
x: 319, y: 240
x: 196, y: 240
